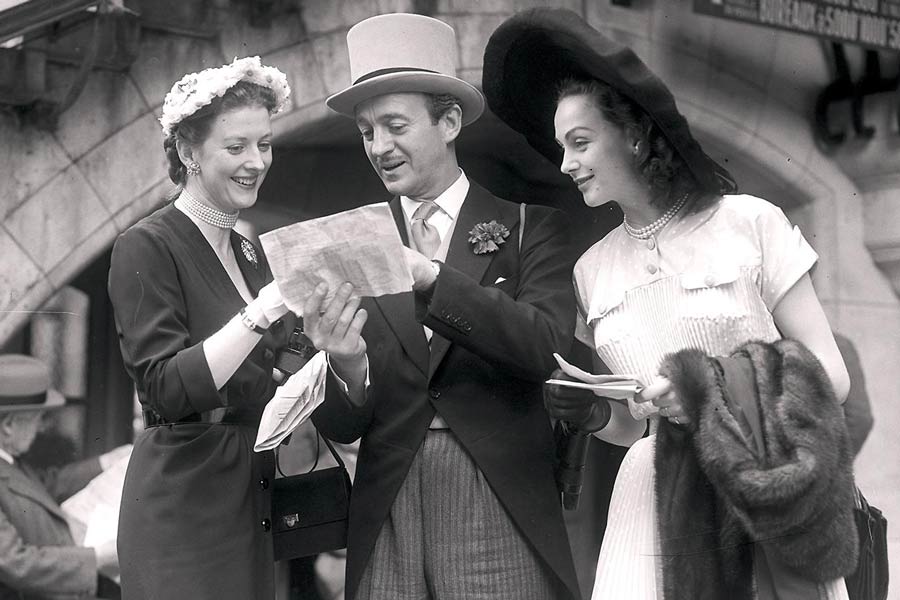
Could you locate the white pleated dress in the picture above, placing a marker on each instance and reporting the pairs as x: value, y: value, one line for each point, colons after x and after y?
x: 709, y: 281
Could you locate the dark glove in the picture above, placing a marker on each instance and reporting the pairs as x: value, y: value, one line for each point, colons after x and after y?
x: 579, y: 408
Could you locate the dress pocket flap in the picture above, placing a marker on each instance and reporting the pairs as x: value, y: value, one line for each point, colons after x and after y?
x: 712, y: 277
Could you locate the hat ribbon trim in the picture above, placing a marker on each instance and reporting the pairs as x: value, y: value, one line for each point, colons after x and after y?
x: 380, y: 72
x: 31, y: 399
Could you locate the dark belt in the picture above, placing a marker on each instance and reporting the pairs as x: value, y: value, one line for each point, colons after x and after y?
x: 216, y: 416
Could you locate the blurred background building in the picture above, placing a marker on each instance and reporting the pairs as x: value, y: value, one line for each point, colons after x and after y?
x: 798, y: 98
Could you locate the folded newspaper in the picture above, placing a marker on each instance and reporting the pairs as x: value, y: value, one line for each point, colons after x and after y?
x: 616, y: 387
x: 293, y: 403
x: 93, y: 512
x: 620, y: 388
x: 361, y: 246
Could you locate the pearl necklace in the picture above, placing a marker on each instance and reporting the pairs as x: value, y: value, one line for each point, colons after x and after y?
x: 208, y: 214
x: 650, y: 230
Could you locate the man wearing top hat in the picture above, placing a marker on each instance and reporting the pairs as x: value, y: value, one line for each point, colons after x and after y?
x: 454, y: 494
x: 38, y: 557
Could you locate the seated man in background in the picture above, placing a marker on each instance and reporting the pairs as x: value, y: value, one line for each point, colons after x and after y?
x: 38, y: 556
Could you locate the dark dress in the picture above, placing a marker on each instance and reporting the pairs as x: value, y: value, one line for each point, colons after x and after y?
x: 194, y: 520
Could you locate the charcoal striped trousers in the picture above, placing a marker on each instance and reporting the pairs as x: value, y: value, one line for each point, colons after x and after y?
x: 448, y: 537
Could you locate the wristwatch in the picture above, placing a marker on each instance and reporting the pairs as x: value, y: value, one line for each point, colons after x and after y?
x: 250, y: 323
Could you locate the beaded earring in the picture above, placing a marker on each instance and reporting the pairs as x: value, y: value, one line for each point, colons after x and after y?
x: 193, y: 168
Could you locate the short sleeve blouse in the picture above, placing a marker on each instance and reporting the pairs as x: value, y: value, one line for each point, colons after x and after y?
x: 709, y: 280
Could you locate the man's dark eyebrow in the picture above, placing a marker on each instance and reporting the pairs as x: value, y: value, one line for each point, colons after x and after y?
x: 389, y: 116
x: 383, y: 118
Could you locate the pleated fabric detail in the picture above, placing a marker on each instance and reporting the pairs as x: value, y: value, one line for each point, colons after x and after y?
x: 663, y: 317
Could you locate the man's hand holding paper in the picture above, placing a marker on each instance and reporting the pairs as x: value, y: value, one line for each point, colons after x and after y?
x: 322, y: 268
x: 360, y: 246
x: 335, y: 327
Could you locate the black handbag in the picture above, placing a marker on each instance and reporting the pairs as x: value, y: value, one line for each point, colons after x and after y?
x: 310, y: 511
x: 870, y: 580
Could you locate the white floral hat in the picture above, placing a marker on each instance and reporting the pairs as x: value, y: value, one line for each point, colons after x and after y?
x: 195, y: 90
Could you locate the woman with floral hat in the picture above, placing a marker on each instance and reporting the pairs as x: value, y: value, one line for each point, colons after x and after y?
x: 694, y: 273
x: 200, y: 323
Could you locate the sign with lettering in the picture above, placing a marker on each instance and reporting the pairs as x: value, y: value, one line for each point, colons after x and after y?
x: 874, y: 23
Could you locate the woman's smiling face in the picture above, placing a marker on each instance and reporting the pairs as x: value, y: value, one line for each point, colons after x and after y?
x: 235, y: 158
x: 596, y: 153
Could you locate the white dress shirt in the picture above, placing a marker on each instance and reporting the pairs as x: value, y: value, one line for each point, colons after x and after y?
x: 449, y: 204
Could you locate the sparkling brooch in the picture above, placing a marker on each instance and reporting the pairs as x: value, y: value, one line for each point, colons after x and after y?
x: 487, y: 237
x: 249, y: 253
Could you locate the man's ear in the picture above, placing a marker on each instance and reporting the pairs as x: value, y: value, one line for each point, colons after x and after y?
x: 7, y: 423
x: 451, y: 123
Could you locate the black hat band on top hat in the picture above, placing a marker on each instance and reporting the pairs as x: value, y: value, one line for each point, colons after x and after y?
x: 390, y: 71
x: 19, y: 400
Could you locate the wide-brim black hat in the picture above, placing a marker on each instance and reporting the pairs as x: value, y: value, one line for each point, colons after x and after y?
x: 532, y: 52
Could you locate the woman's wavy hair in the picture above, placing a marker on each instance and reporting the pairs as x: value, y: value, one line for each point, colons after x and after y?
x: 656, y: 161
x: 194, y: 129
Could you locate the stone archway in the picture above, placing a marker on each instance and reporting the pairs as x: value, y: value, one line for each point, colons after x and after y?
x: 66, y: 195
x: 71, y: 192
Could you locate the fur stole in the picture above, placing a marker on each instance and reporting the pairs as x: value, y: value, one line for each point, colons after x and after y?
x: 718, y: 490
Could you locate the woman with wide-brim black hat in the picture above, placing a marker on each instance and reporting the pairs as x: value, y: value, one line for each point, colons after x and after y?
x: 693, y: 265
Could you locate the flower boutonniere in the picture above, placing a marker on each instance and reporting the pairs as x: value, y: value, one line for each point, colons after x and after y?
x: 487, y: 237
x: 249, y: 253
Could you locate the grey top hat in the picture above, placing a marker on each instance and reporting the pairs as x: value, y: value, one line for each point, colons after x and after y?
x: 401, y: 52
x: 25, y: 384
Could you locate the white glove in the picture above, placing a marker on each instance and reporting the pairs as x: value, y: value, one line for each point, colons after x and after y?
x: 270, y: 302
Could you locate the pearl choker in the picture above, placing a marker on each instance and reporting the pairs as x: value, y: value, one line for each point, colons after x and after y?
x: 650, y: 230
x: 208, y: 214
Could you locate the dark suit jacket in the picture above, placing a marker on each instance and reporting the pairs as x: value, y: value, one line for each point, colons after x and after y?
x: 38, y: 558
x: 491, y: 351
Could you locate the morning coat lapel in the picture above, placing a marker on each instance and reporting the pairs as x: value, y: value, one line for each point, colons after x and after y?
x: 399, y: 310
x: 21, y: 484
x: 479, y: 207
